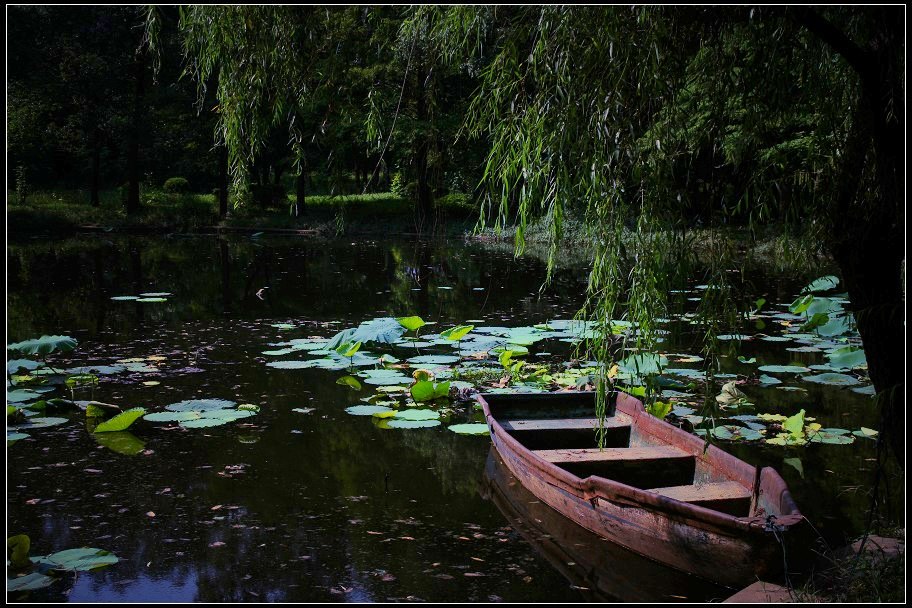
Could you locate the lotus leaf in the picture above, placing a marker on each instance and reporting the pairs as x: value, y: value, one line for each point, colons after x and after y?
x: 200, y: 405
x: 120, y: 422
x: 29, y: 582
x: 784, y: 369
x: 44, y: 345
x: 470, y: 429
x: 367, y: 410
x: 395, y: 423
x: 833, y: 379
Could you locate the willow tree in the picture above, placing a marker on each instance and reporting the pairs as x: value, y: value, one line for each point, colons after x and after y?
x: 798, y: 113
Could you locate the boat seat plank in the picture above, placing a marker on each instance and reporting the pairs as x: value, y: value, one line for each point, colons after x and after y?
x: 642, y: 453
x: 725, y: 496
x: 563, y: 424
x: 641, y: 466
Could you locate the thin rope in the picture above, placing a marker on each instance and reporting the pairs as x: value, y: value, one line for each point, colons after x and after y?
x: 408, y: 64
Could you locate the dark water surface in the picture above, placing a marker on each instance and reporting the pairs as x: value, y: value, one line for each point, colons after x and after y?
x: 322, y: 506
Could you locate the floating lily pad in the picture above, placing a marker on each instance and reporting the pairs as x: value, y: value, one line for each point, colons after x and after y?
x: 14, y: 436
x: 29, y: 582
x: 279, y: 352
x: 396, y: 423
x: 21, y: 396
x: 865, y: 432
x: 784, y: 369
x: 367, y: 410
x: 417, y: 414
x: 745, y: 434
x: 200, y: 423
x: 847, y: 357
x: 14, y: 365
x: 769, y: 380
x: 37, y: 422
x: 833, y: 379
x: 200, y: 405
x: 155, y: 294
x: 433, y: 360
x: 124, y: 298
x: 171, y: 416
x: 826, y: 436
x: 151, y: 300
x: 291, y: 364
x: 476, y: 428
x: 864, y: 390
x: 80, y: 560
x: 387, y: 381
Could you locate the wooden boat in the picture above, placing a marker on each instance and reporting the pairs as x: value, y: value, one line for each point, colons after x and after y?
x: 653, y: 488
x: 599, y: 570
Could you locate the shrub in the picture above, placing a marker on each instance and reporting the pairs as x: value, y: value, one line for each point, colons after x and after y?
x: 176, y: 185
x: 397, y: 185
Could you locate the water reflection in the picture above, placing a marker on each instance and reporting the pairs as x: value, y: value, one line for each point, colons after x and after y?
x: 310, y: 490
x: 600, y: 570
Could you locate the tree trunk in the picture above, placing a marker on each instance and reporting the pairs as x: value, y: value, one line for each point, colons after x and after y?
x: 869, y: 231
x: 301, y: 190
x: 133, y: 170
x: 223, y: 181
x: 96, y: 168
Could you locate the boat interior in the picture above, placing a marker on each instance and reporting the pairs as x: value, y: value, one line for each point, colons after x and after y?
x: 644, y: 453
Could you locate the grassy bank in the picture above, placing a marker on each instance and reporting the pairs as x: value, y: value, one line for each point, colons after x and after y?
x: 774, y: 248
x: 66, y: 212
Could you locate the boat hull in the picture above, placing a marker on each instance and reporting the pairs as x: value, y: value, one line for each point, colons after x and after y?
x: 718, y: 548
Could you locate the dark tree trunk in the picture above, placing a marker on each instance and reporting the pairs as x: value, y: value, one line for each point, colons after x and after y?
x: 301, y: 190
x: 133, y: 170
x: 868, y: 231
x: 223, y: 181
x: 96, y: 168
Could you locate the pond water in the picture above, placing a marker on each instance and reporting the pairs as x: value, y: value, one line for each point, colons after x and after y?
x: 303, y: 501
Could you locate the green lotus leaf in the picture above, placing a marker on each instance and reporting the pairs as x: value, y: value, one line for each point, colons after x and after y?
x: 396, y: 423
x: 171, y: 416
x: 824, y: 283
x: 784, y: 369
x: 833, y: 379
x: 44, y: 345
x: 120, y: 422
x: 457, y: 333
x: 200, y: 405
x: 411, y: 323
x: 367, y: 410
x: 29, y: 582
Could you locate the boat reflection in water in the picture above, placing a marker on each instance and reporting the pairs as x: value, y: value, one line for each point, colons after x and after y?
x: 599, y: 569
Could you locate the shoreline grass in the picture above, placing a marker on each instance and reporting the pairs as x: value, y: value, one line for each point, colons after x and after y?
x: 69, y: 211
